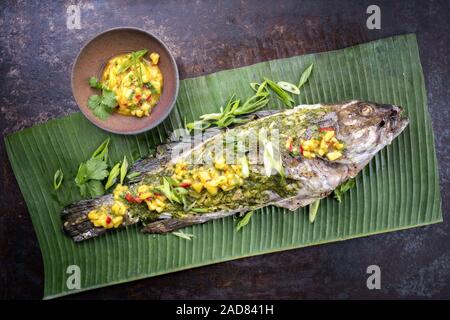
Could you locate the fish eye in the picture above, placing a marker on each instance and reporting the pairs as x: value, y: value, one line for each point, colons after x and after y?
x: 382, y: 123
x: 365, y: 109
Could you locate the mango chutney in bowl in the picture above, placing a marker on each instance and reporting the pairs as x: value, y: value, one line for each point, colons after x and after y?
x: 125, y: 81
x: 136, y: 81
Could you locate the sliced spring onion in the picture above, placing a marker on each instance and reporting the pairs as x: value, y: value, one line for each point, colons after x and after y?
x: 57, y: 179
x: 289, y: 87
x: 123, y: 169
x: 244, y: 221
x: 282, y: 95
x: 133, y: 174
x: 313, y: 208
x: 244, y: 166
x: 183, y: 235
x: 254, y: 86
x: 113, y: 174
x: 270, y: 162
x: 102, y: 151
x: 305, y: 75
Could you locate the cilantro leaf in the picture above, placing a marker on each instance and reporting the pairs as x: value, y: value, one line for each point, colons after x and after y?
x: 109, y: 99
x: 81, y: 177
x: 95, y: 188
x: 98, y: 108
x: 102, y: 106
x: 96, y: 169
x: 84, y: 191
x: 94, y: 83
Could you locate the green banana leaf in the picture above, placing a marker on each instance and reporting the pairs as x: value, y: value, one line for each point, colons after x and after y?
x: 398, y: 189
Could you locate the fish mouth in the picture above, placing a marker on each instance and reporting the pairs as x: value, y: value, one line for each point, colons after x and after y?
x: 394, y: 118
x: 397, y: 119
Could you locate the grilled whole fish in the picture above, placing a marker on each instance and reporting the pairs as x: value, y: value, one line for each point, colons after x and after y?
x: 317, y: 148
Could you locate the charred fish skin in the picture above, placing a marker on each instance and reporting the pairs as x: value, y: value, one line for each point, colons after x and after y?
x: 363, y: 127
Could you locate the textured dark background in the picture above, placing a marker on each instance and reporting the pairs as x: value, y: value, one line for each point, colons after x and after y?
x: 36, y: 55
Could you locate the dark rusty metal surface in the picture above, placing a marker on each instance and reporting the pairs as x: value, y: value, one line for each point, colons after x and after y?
x: 36, y: 54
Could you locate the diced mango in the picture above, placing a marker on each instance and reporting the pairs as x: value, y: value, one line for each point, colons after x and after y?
x: 334, y: 155
x: 143, y: 188
x: 117, y: 221
x: 145, y: 195
x: 321, y: 151
x: 309, y: 154
x: 310, y: 145
x: 220, y: 180
x: 154, y: 57
x: 118, y: 208
x: 93, y: 215
x: 220, y: 163
x: 197, y: 186
x: 151, y: 206
x: 97, y: 223
x: 323, y: 145
x: 328, y: 135
x: 204, y: 176
x: 211, y: 187
x: 236, y: 168
x: 338, y: 146
x: 159, y: 203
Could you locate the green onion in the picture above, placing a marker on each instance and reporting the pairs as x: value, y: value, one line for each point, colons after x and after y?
x: 113, y: 174
x: 289, y: 87
x: 244, y: 221
x: 254, y: 86
x: 305, y: 75
x: 127, y: 64
x: 282, y: 95
x: 313, y: 208
x: 244, y: 166
x: 269, y: 160
x: 57, y: 179
x: 198, y: 125
x: 262, y: 87
x: 133, y: 175
x: 254, y: 103
x: 183, y: 235
x: 123, y: 169
x: 343, y: 188
x: 102, y: 151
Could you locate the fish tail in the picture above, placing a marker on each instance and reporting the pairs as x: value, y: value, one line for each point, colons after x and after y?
x: 76, y: 223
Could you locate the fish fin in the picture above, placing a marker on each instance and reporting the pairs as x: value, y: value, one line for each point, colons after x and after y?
x: 265, y: 113
x: 171, y: 224
x: 294, y: 203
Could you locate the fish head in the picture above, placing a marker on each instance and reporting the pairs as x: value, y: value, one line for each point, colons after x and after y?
x: 366, y: 127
